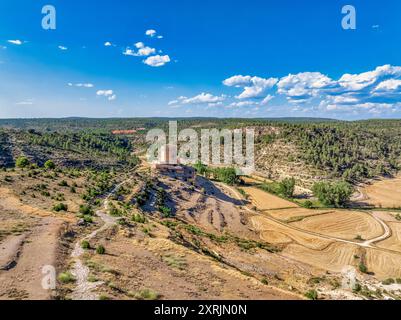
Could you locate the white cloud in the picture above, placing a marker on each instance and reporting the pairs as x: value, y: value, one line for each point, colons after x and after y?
x: 104, y: 92
x: 173, y: 102
x: 215, y: 104
x: 240, y: 104
x: 267, y: 99
x: 109, y: 94
x: 160, y: 37
x: 237, y: 81
x: 340, y: 100
x: 254, y: 87
x: 84, y: 85
x: 27, y: 102
x: 146, y: 51
x: 151, y: 33
x: 357, y: 82
x: 254, y: 103
x: 304, y: 85
x: 16, y: 42
x: 200, y: 99
x: 139, y: 45
x: 62, y: 48
x: 372, y: 92
x: 203, y: 98
x: 388, y: 85
x: 157, y: 60
x: 367, y: 107
x: 129, y: 52
x: 108, y: 44
x: 143, y: 51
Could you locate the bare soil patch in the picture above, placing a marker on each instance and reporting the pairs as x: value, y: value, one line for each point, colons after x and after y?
x: 156, y: 264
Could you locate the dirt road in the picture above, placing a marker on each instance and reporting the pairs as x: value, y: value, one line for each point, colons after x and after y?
x: 367, y: 244
x: 24, y: 258
x: 84, y: 290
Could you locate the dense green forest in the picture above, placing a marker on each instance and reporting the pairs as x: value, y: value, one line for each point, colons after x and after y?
x: 353, y: 151
x: 86, y: 141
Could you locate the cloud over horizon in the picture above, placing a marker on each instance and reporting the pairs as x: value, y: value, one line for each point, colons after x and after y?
x: 372, y: 92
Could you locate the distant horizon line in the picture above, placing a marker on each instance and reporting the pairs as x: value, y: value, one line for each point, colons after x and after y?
x: 198, y: 118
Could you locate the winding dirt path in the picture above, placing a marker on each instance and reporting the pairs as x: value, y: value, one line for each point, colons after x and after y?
x: 84, y: 290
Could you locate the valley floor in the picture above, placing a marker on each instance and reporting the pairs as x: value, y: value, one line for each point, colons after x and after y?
x: 219, y: 245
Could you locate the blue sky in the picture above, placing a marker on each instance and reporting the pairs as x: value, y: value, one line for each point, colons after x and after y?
x: 222, y: 58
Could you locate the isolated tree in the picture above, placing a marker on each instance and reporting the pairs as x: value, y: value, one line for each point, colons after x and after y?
x: 22, y: 162
x: 287, y: 187
x: 49, y: 164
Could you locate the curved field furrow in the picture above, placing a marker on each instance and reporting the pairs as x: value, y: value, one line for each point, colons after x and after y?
x: 383, y: 264
x: 342, y: 224
x: 333, y: 258
x: 271, y: 231
x: 294, y: 213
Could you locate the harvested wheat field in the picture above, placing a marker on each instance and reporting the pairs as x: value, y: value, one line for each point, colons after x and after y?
x: 292, y: 214
x: 383, y: 264
x: 333, y: 258
x: 343, y: 224
x: 274, y: 232
x: 394, y: 242
x: 385, y: 193
x: 266, y: 201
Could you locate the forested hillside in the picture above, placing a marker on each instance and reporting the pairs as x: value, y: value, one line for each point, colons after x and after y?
x: 307, y: 149
x: 353, y: 151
